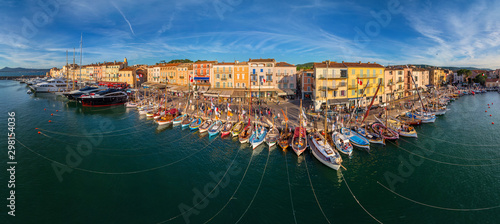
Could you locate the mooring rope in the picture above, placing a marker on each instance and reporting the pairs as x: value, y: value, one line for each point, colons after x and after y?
x: 111, y: 173
x: 231, y: 198
x: 222, y: 178
x: 258, y: 187
x: 456, y: 143
x: 447, y: 163
x: 290, y: 189
x: 438, y: 207
x: 446, y: 155
x: 356, y: 199
x: 125, y: 150
x: 315, y: 197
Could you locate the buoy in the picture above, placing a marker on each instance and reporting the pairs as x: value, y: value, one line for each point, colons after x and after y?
x: 50, y: 121
x: 39, y: 132
x: 488, y: 107
x: 485, y: 111
x: 51, y: 114
x: 36, y: 128
x: 44, y: 108
x: 57, y: 110
x: 492, y: 122
x: 490, y: 115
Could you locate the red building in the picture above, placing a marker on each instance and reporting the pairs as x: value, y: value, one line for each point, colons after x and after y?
x: 202, y: 71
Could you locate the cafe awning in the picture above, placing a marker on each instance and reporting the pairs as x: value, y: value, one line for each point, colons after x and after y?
x: 281, y: 92
x: 226, y: 93
x: 212, y: 93
x: 290, y: 92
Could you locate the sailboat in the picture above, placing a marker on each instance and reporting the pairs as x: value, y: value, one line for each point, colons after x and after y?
x: 226, y: 129
x: 215, y: 128
x: 246, y: 133
x: 258, y: 136
x: 179, y: 119
x: 195, y: 124
x: 342, y: 143
x: 272, y: 136
x: 285, y: 138
x: 356, y: 139
x: 323, y: 152
x: 299, y: 140
x: 186, y: 121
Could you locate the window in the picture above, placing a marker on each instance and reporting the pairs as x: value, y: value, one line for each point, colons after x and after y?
x: 238, y: 85
x: 367, y: 73
x: 352, y: 72
x: 334, y: 94
x: 261, y: 70
x: 291, y: 85
x: 223, y: 85
x: 353, y: 92
x: 238, y: 76
x: 285, y: 85
x: 361, y: 73
x: 218, y: 76
x: 217, y: 85
x: 342, y: 93
x: 373, y: 72
x: 242, y: 76
x: 415, y: 78
x: 309, y: 89
x: 243, y: 85
x: 308, y: 80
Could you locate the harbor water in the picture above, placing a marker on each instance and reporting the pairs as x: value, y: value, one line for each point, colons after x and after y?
x: 112, y: 165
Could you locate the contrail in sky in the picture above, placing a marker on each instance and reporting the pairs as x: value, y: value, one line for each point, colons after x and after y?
x: 125, y: 18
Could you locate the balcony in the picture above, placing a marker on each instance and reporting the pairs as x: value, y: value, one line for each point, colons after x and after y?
x: 223, y: 78
x: 400, y: 81
x: 355, y: 86
x: 324, y: 88
x: 269, y: 73
x: 331, y: 77
x: 181, y: 77
x: 342, y: 84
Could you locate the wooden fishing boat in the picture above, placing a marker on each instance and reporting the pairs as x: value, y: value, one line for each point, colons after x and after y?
x: 164, y: 120
x: 195, y: 124
x: 205, y: 126
x: 369, y: 134
x: 237, y: 128
x: 342, y: 143
x: 215, y: 128
x: 299, y: 140
x: 324, y: 152
x: 186, y: 121
x: 285, y: 138
x: 423, y: 118
x: 179, y: 119
x: 408, y: 120
x: 400, y: 128
x: 272, y: 136
x: 226, y: 129
x: 356, y: 139
x: 245, y: 134
x: 258, y: 136
x: 385, y: 132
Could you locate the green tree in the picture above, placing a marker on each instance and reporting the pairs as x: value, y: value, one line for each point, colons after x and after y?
x: 481, y: 78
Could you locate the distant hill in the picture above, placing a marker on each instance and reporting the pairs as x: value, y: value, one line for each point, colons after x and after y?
x: 7, y: 69
x: 305, y: 65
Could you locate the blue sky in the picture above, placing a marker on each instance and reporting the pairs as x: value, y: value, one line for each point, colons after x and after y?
x: 37, y: 33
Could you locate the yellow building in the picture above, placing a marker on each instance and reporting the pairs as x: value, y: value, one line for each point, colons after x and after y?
x: 437, y: 76
x: 127, y: 75
x: 223, y: 75
x: 361, y: 74
x: 182, y: 77
x: 330, y: 84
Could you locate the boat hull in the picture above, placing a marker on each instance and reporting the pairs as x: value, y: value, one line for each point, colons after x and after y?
x: 317, y: 155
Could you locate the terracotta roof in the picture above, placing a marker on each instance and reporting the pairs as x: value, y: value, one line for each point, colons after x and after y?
x: 241, y: 63
x: 492, y: 80
x: 224, y: 63
x: 359, y: 64
x: 261, y: 60
x: 206, y: 62
x: 127, y: 69
x: 284, y: 64
x: 332, y: 64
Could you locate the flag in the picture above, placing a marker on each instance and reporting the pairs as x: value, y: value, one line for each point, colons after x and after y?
x: 229, y: 107
x: 263, y: 80
x: 360, y: 82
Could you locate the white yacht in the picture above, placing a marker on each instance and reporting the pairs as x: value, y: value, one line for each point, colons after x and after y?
x: 51, y: 85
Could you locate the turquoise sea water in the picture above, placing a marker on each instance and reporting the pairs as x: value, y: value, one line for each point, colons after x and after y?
x: 129, y: 171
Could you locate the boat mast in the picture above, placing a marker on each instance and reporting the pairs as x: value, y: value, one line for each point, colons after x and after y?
x: 73, y: 65
x: 67, y: 72
x: 81, y: 55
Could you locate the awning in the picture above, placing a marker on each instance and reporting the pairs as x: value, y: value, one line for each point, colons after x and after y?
x: 212, y: 93
x: 290, y: 92
x: 202, y: 89
x: 337, y: 101
x: 238, y: 93
x: 281, y: 92
x: 226, y: 93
